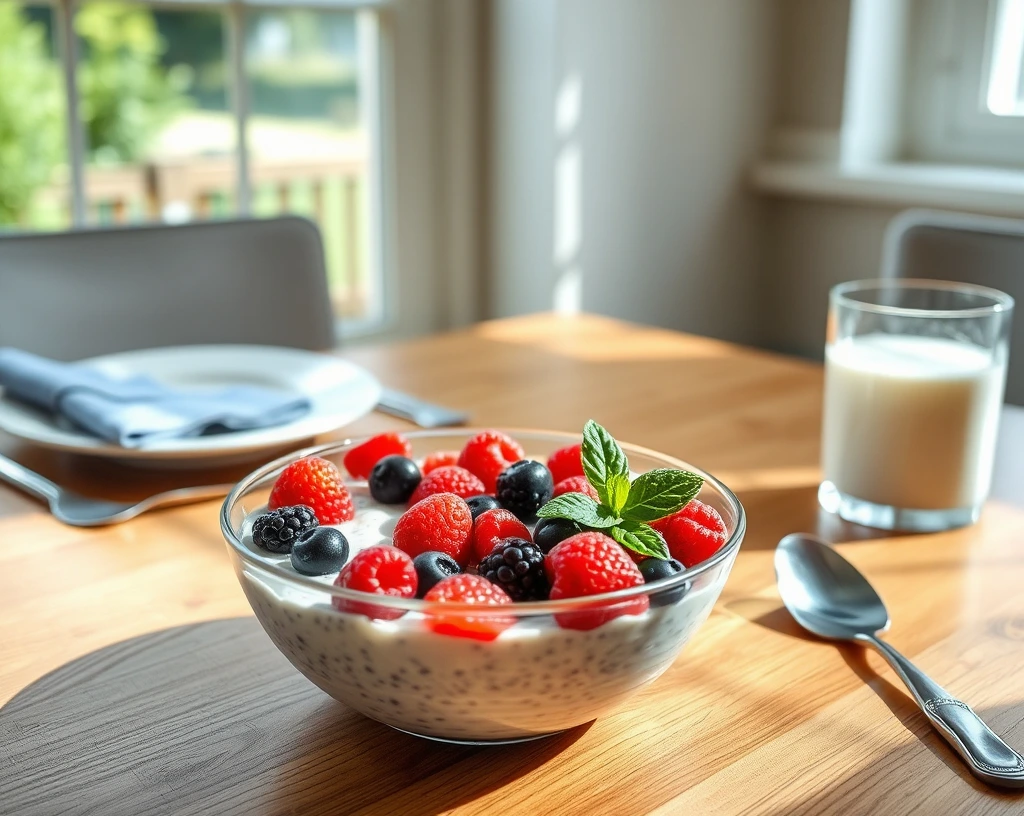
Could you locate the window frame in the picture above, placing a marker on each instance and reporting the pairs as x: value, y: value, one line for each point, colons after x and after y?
x: 946, y: 119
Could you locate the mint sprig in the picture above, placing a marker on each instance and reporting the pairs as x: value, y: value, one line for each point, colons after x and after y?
x: 625, y: 508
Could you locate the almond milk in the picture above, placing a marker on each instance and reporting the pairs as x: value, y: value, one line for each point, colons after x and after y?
x: 910, y: 422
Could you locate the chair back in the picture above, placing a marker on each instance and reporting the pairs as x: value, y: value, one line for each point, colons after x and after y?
x: 978, y: 249
x: 82, y: 293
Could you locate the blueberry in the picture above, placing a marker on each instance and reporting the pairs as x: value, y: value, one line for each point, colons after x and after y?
x: 481, y: 504
x: 393, y: 479
x: 654, y: 569
x: 431, y: 567
x: 552, y: 531
x: 320, y: 551
x: 524, y: 487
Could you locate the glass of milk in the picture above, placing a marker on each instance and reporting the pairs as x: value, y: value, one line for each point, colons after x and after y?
x: 914, y: 378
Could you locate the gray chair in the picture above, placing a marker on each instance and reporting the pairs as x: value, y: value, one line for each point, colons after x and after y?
x: 962, y: 247
x: 78, y: 294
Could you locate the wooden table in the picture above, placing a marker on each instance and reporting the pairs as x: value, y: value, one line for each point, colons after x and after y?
x: 753, y: 717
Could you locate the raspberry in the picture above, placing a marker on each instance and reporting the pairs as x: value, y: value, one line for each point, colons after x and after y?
x: 517, y: 566
x: 359, y: 461
x: 487, y: 454
x: 468, y: 589
x: 565, y: 463
x: 381, y: 570
x: 450, y: 479
x: 491, y: 527
x: 316, y: 483
x: 575, y: 484
x: 277, y: 530
x: 592, y: 563
x: 441, y: 522
x: 440, y: 459
x: 694, y: 533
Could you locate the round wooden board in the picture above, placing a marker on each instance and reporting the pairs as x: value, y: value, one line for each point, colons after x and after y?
x: 211, y: 718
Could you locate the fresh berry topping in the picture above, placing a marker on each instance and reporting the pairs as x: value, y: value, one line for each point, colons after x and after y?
x: 440, y: 459
x: 381, y: 570
x: 450, y: 479
x: 440, y: 522
x: 481, y: 504
x: 524, y: 488
x: 592, y: 563
x: 694, y: 533
x: 575, y: 484
x: 552, y: 531
x: 468, y: 589
x: 491, y: 527
x: 277, y: 530
x: 316, y: 483
x: 654, y: 569
x: 432, y: 567
x: 517, y: 566
x: 565, y: 463
x: 320, y: 551
x: 359, y: 461
x: 487, y: 454
x: 393, y: 479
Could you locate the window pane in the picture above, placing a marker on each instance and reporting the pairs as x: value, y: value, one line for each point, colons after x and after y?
x: 307, y: 137
x: 1005, y: 96
x: 160, y: 135
x: 34, y: 192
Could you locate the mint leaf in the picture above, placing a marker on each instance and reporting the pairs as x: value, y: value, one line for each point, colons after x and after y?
x: 617, y: 488
x: 659, y: 493
x: 581, y: 509
x: 602, y: 458
x: 640, y: 538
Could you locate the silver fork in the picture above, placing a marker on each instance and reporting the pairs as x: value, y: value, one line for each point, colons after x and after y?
x: 81, y: 511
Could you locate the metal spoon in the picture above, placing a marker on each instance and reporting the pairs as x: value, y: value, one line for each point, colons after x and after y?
x: 829, y: 597
x: 81, y: 511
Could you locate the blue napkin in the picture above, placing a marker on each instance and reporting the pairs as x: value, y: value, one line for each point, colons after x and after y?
x: 137, y: 411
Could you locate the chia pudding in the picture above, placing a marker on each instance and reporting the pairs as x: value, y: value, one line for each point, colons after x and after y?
x: 534, y: 679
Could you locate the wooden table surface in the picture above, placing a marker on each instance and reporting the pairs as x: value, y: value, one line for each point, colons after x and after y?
x: 753, y: 717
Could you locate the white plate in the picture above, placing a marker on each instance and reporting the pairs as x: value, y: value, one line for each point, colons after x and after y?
x: 338, y: 391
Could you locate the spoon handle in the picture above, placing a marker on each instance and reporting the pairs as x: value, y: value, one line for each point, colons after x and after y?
x: 28, y: 480
x: 988, y: 757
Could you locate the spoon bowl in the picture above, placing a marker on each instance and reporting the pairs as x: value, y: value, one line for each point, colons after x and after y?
x: 829, y: 597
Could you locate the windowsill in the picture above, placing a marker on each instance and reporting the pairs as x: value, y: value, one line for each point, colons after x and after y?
x: 987, y: 190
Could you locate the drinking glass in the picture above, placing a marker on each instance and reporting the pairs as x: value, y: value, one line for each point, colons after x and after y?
x: 914, y: 378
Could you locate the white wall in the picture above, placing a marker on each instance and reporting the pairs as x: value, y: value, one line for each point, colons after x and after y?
x: 621, y: 135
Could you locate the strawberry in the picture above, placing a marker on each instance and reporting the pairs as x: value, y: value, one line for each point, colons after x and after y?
x: 592, y: 563
x: 467, y: 589
x: 439, y: 523
x: 565, y: 463
x: 694, y: 533
x: 359, y: 461
x: 316, y: 483
x: 492, y: 527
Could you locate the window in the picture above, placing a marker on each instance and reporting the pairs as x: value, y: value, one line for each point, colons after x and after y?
x: 117, y: 112
x: 966, y: 83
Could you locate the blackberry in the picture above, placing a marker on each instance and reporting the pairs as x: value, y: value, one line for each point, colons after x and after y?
x: 552, y: 531
x: 523, y: 488
x: 277, y: 530
x: 517, y: 566
x: 654, y: 569
x: 481, y: 504
x: 393, y: 479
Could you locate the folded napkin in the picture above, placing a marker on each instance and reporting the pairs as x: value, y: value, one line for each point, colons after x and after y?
x: 137, y: 411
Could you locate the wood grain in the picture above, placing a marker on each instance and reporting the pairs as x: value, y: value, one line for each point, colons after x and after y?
x: 754, y: 717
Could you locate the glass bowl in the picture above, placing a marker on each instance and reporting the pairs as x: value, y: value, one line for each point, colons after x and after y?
x: 540, y: 676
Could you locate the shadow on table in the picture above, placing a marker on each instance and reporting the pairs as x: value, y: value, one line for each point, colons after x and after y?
x: 211, y: 718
